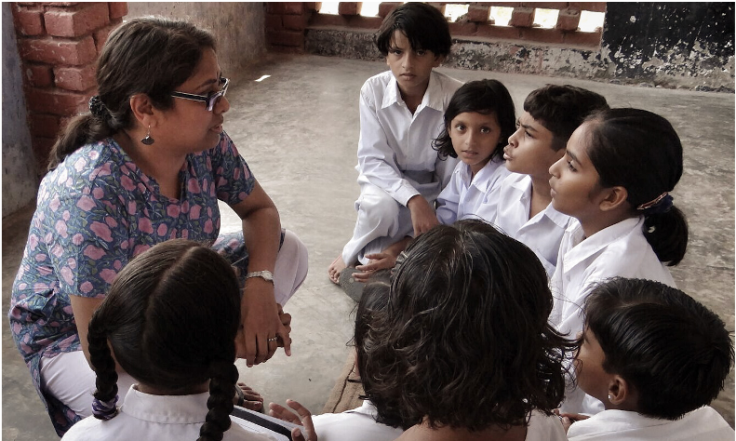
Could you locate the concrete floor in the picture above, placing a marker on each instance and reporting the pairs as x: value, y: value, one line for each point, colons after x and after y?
x: 298, y: 131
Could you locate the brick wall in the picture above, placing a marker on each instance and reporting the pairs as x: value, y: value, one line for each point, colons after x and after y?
x: 59, y: 44
x: 286, y: 22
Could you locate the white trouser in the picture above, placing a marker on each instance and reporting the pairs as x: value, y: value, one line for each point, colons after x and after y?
x: 70, y: 379
x: 381, y: 222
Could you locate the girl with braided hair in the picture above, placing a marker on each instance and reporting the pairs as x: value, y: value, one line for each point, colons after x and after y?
x: 172, y: 321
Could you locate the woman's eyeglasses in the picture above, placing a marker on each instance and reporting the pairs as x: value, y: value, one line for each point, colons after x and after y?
x: 210, y: 99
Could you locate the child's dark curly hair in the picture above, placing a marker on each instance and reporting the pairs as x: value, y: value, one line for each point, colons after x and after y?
x: 485, y: 97
x: 464, y: 341
x: 171, y: 318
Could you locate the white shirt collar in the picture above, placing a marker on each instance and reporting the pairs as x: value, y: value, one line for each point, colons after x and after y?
x: 583, y: 249
x: 433, y: 96
x: 524, y: 186
x: 166, y: 408
x: 480, y: 182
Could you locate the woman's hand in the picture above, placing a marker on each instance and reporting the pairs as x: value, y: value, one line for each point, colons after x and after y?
x: 263, y: 319
x: 423, y: 217
x: 304, y: 419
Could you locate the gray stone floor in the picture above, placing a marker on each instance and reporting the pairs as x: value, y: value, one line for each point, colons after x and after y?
x: 298, y: 130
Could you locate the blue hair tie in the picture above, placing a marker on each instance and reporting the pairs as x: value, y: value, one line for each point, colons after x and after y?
x: 661, y: 204
x: 104, y: 410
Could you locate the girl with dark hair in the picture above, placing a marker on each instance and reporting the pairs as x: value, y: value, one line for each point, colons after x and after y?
x: 148, y: 163
x: 464, y: 349
x: 477, y: 125
x: 656, y: 358
x: 615, y: 180
x: 171, y: 319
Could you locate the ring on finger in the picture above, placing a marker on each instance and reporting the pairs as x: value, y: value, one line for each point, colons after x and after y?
x: 272, y: 339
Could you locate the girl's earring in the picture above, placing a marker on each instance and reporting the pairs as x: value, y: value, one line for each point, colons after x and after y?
x: 148, y: 140
x: 610, y: 397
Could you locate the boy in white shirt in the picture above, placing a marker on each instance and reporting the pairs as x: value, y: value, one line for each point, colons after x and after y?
x: 401, y: 113
x: 656, y: 358
x: 524, y: 210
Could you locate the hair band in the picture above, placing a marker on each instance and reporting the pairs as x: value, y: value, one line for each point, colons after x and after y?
x: 104, y: 410
x: 660, y: 204
x: 98, y: 109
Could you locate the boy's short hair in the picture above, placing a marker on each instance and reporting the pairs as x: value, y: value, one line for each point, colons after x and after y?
x: 424, y: 26
x: 561, y: 109
x: 674, y: 351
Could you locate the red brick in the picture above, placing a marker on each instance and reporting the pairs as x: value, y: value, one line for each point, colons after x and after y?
x: 358, y: 21
x: 568, y: 20
x: 274, y: 22
x: 541, y: 35
x: 464, y: 29
x: 522, y: 17
x: 39, y: 75
x: 590, y: 39
x: 295, y: 22
x: 329, y: 20
x: 500, y: 32
x: 100, y: 35
x: 544, y: 5
x: 588, y: 6
x: 47, y: 50
x: 56, y: 102
x: 47, y: 126
x: 77, y: 23
x: 479, y: 14
x: 77, y: 79
x: 117, y: 10
x: 285, y: 38
x: 348, y: 8
x: 312, y: 6
x: 385, y: 8
x: 41, y: 148
x: 287, y: 8
x: 503, y: 4
x: 28, y: 22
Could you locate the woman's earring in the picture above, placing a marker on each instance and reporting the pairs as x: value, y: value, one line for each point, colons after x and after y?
x: 148, y: 140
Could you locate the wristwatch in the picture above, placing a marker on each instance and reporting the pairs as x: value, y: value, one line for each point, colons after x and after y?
x: 265, y: 275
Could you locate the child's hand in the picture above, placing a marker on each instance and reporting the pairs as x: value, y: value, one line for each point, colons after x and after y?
x: 377, y: 262
x: 423, y: 217
x: 303, y: 419
x: 567, y: 419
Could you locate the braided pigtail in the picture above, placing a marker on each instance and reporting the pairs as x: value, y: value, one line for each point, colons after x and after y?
x: 106, y: 394
x: 224, y: 376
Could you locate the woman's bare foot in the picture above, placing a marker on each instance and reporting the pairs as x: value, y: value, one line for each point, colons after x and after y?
x: 335, y: 268
x: 247, y: 397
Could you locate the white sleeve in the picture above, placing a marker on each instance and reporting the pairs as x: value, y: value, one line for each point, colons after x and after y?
x: 447, y: 203
x: 376, y: 158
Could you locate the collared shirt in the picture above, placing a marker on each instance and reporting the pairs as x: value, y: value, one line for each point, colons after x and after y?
x: 158, y: 417
x: 542, y: 233
x: 704, y: 424
x: 358, y: 424
x: 620, y: 250
x: 466, y: 199
x: 395, y: 150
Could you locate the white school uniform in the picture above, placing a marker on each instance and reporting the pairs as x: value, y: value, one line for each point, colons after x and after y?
x: 161, y: 417
x: 620, y: 250
x: 396, y: 160
x: 704, y: 424
x: 466, y: 199
x: 544, y: 428
x: 358, y: 424
x: 542, y: 233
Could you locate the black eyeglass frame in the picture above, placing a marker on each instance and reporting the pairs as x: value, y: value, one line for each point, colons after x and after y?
x: 210, y: 99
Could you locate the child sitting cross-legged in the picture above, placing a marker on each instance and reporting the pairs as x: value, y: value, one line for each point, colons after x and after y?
x: 656, y: 358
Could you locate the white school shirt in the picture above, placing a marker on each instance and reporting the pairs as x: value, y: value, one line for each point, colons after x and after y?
x: 358, y: 424
x: 704, y: 424
x: 395, y: 149
x: 544, y: 428
x: 619, y: 250
x: 466, y: 199
x: 542, y: 233
x: 157, y: 417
